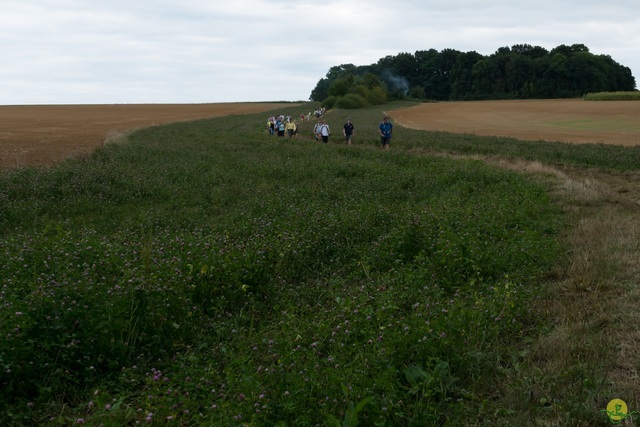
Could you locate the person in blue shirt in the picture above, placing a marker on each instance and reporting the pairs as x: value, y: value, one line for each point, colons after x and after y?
x: 385, y: 129
x: 280, y: 127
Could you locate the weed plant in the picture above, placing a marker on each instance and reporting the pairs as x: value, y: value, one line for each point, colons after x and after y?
x: 207, y: 273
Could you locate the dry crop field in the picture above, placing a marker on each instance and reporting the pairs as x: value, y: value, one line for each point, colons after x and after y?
x: 567, y: 120
x: 40, y: 135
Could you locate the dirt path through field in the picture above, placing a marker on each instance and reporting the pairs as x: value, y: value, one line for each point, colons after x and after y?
x: 35, y: 135
x: 566, y: 120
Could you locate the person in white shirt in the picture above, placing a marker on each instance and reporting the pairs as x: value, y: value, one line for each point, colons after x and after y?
x: 325, y: 132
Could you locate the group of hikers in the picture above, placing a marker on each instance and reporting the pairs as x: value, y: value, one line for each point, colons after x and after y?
x: 286, y: 125
x: 278, y: 125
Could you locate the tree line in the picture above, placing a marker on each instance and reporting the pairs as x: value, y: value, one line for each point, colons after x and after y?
x: 518, y: 72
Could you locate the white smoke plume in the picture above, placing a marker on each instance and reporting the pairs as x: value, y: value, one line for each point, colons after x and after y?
x: 395, y: 82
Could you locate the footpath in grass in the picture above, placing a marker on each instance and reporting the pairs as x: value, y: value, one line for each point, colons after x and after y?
x: 207, y: 273
x: 609, y: 157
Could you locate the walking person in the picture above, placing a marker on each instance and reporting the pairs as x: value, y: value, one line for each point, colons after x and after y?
x: 385, y: 130
x: 291, y: 127
x: 280, y: 125
x: 348, y: 131
x: 271, y: 125
x: 325, y: 132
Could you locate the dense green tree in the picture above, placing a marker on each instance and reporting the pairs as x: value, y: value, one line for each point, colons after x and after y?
x: 338, y: 71
x: 344, y: 89
x: 405, y: 65
x: 484, y: 73
x: 529, y: 51
x: 434, y: 70
x: 518, y: 76
x: 371, y: 80
x: 418, y: 92
x: 516, y: 72
x: 321, y: 91
x: 462, y: 75
x: 342, y: 86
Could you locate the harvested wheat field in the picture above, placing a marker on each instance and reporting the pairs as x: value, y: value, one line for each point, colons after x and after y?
x: 566, y: 120
x: 41, y: 135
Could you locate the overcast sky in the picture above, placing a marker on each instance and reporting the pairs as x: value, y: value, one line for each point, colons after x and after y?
x: 200, y: 51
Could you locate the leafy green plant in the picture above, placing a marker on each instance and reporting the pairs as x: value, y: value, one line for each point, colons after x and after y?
x: 207, y: 273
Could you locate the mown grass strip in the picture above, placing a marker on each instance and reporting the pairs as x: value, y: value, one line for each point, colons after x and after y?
x: 604, y: 156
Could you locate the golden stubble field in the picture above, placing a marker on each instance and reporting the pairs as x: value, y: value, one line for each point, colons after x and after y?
x: 42, y: 135
x: 566, y: 120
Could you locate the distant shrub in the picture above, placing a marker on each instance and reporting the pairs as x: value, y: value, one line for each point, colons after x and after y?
x: 330, y: 102
x: 351, y: 102
x: 377, y: 96
x: 613, y: 96
x: 361, y: 90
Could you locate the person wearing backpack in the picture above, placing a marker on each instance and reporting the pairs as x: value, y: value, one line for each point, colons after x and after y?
x: 325, y: 132
x: 316, y: 130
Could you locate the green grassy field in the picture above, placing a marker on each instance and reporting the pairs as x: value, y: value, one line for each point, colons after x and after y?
x: 207, y: 273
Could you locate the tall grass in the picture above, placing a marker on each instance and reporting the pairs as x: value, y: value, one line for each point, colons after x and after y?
x: 205, y: 273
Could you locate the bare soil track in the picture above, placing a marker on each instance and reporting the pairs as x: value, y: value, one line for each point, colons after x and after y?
x: 42, y: 135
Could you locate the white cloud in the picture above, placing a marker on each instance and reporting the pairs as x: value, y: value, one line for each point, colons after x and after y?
x: 74, y: 51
